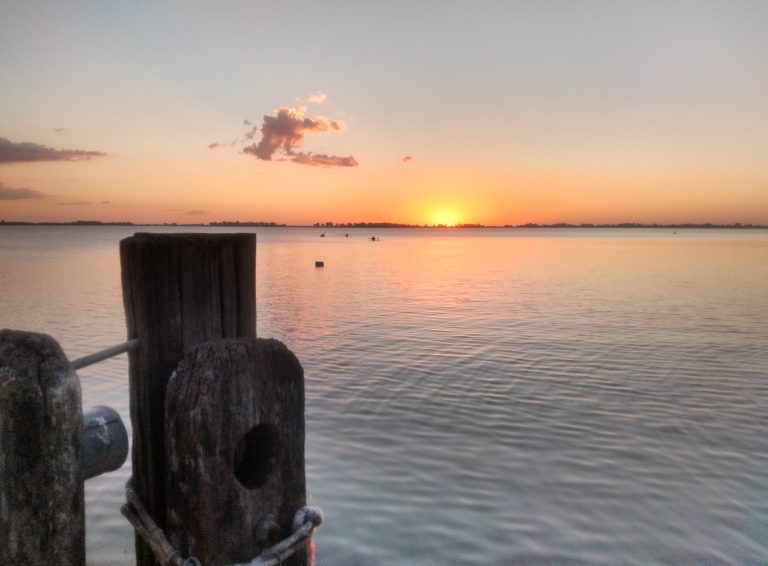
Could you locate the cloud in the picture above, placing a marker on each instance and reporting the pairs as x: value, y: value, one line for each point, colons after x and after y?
x: 246, y: 122
x: 324, y: 160
x: 196, y: 212
x: 25, y: 152
x: 317, y: 98
x: 59, y: 130
x: 284, y: 132
x: 7, y: 193
x: 75, y: 203
x: 214, y: 145
x: 105, y: 202
x: 407, y: 158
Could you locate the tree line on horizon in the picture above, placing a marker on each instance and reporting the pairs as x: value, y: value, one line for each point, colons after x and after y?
x: 263, y: 224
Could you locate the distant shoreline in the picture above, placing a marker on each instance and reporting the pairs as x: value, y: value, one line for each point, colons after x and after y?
x: 377, y: 225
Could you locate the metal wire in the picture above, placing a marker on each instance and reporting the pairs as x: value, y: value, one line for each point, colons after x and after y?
x: 107, y: 353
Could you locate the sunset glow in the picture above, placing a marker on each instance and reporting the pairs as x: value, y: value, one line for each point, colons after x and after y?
x: 444, y: 217
x: 485, y: 280
x: 544, y: 115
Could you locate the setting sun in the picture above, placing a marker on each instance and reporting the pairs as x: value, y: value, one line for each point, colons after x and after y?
x: 445, y: 217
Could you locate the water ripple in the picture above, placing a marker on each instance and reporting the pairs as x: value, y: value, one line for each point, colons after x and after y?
x: 488, y: 398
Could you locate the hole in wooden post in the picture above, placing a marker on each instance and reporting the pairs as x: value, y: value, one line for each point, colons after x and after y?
x: 255, y: 456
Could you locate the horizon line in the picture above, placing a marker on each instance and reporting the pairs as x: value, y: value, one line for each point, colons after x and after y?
x: 326, y: 225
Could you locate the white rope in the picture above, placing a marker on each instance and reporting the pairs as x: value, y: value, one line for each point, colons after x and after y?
x: 305, y: 521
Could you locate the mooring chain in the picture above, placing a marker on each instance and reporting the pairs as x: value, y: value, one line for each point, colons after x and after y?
x: 305, y: 521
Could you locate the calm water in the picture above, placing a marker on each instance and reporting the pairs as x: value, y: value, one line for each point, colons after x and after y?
x: 480, y: 397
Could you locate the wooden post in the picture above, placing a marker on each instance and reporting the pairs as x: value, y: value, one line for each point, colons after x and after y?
x: 179, y: 290
x: 42, y: 519
x: 235, y: 441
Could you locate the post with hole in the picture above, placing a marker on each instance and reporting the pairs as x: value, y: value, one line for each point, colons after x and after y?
x: 235, y: 445
x: 179, y: 291
x: 218, y: 416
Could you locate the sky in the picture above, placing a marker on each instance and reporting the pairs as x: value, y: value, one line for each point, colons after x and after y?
x: 419, y: 112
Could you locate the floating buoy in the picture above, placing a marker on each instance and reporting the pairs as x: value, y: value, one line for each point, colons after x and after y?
x: 319, y: 264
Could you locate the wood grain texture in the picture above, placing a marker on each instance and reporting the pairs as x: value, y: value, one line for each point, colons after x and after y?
x: 179, y: 290
x: 42, y: 519
x: 235, y: 441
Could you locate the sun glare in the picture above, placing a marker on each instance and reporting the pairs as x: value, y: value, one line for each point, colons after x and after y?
x: 444, y: 217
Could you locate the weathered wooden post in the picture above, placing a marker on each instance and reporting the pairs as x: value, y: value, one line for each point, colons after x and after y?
x: 179, y: 290
x: 42, y: 518
x: 235, y: 445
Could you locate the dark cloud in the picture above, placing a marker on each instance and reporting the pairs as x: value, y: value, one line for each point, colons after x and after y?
x: 26, y: 152
x: 407, y: 158
x: 196, y: 212
x: 284, y: 132
x: 214, y: 145
x: 59, y: 130
x: 105, y: 202
x: 246, y: 122
x: 7, y: 193
x: 75, y: 203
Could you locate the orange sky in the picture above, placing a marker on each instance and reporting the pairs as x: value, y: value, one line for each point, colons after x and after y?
x: 596, y: 113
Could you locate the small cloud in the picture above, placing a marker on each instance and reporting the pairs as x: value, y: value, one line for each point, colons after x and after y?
x: 317, y: 98
x: 59, y: 130
x: 196, y: 212
x: 105, y: 202
x: 7, y: 193
x: 407, y: 158
x: 26, y: 152
x: 75, y: 203
x: 246, y: 122
x: 214, y: 145
x: 324, y: 160
x: 284, y: 132
x: 249, y: 135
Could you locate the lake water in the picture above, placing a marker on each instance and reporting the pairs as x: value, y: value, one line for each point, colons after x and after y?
x: 479, y: 396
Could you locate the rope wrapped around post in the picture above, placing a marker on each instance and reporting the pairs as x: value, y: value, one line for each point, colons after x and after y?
x: 151, y: 534
x: 305, y: 522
